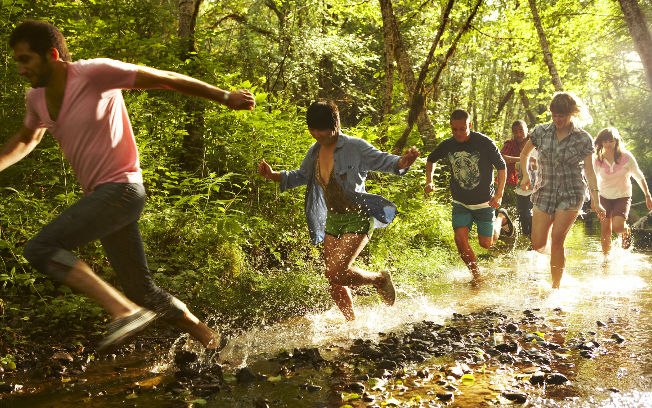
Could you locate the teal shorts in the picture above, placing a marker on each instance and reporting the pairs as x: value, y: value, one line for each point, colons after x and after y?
x: 349, y: 223
x: 482, y: 217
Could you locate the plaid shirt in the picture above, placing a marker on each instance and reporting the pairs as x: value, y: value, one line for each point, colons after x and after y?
x: 561, y: 166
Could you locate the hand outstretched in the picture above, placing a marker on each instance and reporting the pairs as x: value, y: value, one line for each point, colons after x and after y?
x: 408, y: 158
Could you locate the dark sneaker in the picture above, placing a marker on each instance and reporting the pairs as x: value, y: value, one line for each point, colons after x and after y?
x: 123, y: 328
x: 626, y: 239
x: 386, y: 289
x: 507, y: 230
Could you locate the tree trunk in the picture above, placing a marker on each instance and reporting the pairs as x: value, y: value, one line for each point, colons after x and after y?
x: 545, y: 48
x: 531, y: 117
x: 406, y: 74
x: 193, y: 141
x: 388, y: 91
x: 640, y: 34
x: 388, y: 88
x: 474, y: 106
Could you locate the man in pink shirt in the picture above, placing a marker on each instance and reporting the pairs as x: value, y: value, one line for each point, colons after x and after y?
x: 81, y: 105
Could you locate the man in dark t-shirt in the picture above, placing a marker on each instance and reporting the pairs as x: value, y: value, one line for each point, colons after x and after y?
x: 472, y: 157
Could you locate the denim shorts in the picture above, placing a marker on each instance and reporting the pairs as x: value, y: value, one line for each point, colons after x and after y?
x: 349, y: 223
x: 482, y: 217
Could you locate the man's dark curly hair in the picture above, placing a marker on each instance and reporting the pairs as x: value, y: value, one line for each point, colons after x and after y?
x: 41, y: 37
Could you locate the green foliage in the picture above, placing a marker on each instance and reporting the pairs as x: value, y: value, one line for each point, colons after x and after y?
x: 219, y: 236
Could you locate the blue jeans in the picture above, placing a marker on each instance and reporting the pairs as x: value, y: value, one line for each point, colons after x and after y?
x: 110, y: 214
x: 524, y: 207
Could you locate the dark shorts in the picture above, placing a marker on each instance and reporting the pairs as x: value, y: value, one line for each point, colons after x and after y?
x: 348, y: 223
x: 482, y: 217
x: 617, y: 206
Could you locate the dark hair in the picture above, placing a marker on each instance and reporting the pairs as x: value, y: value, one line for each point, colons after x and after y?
x: 605, y: 135
x: 41, y: 37
x: 323, y: 115
x: 460, y: 114
x: 519, y: 122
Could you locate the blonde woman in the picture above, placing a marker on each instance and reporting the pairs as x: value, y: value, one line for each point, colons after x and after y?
x: 565, y: 166
x: 614, y: 167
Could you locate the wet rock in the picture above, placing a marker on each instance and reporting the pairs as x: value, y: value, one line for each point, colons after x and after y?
x: 183, y: 358
x: 455, y: 371
x: 509, y: 347
x: 382, y: 373
x: 62, y: 357
x: 549, y: 345
x: 587, y: 354
x: 311, y: 387
x: 445, y: 396
x: 9, y: 387
x: 210, y: 387
x: 186, y: 372
x: 311, y: 356
x: 619, y: 339
x: 511, y: 328
x: 425, y: 373
x: 245, y: 375
x: 387, y: 365
x: 506, y: 359
x: 454, y: 333
x: 517, y: 397
x: 556, y: 379
x: 590, y: 345
x: 357, y: 387
x: 370, y: 352
x: 538, y: 378
x: 613, y: 389
x: 366, y: 397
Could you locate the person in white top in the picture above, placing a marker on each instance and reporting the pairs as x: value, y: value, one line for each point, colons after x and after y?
x: 80, y: 103
x: 614, y: 167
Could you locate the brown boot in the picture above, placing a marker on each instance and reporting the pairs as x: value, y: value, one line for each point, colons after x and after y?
x: 386, y: 289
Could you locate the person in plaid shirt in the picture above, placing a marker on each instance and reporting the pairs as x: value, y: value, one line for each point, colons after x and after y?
x: 565, y: 166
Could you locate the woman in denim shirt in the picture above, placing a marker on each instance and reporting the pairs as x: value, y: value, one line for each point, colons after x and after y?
x: 565, y: 166
x: 338, y: 209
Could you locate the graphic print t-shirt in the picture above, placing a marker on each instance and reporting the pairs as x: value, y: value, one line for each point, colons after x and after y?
x: 472, y: 163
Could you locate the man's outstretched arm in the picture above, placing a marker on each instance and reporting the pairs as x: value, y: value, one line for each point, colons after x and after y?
x: 151, y: 78
x: 19, y: 146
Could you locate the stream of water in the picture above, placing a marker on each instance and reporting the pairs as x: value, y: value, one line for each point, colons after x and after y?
x: 616, y: 293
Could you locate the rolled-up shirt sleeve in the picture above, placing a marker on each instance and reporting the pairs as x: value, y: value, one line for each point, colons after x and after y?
x: 376, y: 160
x: 299, y: 177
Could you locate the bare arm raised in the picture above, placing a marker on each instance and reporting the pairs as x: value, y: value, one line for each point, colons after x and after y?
x: 265, y: 170
x: 151, y: 78
x: 525, y: 157
x: 593, y: 186
x: 19, y: 146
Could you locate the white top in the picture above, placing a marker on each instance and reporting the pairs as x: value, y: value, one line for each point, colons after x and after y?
x: 614, y: 179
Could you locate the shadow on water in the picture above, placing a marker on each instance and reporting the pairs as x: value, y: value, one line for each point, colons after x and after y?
x: 598, y: 329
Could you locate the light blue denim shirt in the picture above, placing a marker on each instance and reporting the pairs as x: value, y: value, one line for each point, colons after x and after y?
x: 353, y: 158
